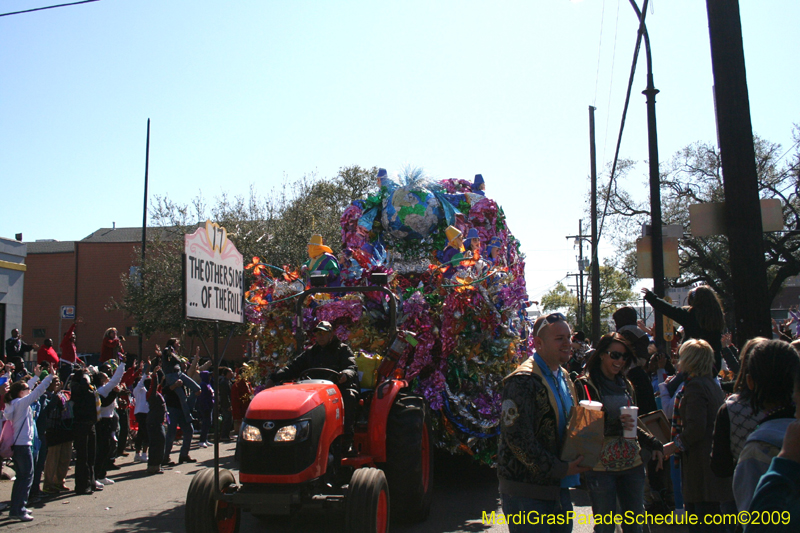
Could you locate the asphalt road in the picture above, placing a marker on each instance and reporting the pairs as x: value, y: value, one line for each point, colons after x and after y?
x: 463, y: 491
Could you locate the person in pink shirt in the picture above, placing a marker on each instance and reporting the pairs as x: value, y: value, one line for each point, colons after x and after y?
x: 47, y: 354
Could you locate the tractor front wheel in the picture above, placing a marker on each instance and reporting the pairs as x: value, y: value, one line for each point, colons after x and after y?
x: 204, y: 513
x: 367, y: 507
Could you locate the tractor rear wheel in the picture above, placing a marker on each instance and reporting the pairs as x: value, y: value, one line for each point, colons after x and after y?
x: 409, y: 459
x: 204, y: 514
x: 367, y: 507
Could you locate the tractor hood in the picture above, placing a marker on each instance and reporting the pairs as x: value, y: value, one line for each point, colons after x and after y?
x: 293, y: 400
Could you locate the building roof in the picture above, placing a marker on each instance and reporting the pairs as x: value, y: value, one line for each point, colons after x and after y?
x: 51, y: 247
x: 114, y: 235
x: 107, y: 235
x: 135, y: 234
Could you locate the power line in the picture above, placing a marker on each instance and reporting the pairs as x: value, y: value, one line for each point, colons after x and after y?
x: 46, y: 7
x: 599, y: 49
x: 622, y: 122
x: 787, y: 151
x: 611, y: 85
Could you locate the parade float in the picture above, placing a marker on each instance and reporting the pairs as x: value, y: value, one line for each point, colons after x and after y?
x: 458, y: 275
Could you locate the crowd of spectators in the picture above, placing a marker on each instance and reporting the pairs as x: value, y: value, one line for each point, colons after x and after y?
x: 66, y: 411
x: 733, y: 439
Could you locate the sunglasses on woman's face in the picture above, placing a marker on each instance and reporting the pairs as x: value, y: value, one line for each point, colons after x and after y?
x: 616, y: 355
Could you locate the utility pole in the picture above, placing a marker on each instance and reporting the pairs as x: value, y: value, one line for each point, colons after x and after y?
x: 595, y: 258
x: 144, y: 223
x: 581, y: 300
x: 740, y: 181
x: 578, y: 317
x: 581, y: 311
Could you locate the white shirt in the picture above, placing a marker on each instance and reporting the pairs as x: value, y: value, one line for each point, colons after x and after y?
x: 105, y: 390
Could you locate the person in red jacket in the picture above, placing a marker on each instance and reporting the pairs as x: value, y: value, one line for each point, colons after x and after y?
x: 47, y: 354
x: 112, y: 345
x: 68, y: 351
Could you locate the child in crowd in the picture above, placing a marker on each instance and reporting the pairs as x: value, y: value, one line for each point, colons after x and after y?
x: 141, y: 408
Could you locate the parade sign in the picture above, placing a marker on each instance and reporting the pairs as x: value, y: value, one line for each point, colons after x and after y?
x: 213, y: 276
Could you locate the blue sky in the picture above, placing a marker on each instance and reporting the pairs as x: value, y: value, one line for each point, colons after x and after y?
x: 257, y: 92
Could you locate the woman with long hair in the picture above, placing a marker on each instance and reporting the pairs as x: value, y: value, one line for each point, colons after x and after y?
x: 704, y: 318
x: 736, y: 419
x: 619, y: 474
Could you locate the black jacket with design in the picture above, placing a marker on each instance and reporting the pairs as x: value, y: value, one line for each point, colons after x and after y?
x: 528, y: 455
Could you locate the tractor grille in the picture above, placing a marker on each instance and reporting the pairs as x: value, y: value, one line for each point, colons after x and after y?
x: 281, y: 458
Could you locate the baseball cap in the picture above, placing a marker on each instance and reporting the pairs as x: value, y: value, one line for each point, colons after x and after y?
x: 323, y: 325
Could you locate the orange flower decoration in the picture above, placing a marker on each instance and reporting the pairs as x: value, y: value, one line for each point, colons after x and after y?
x: 257, y: 266
x: 290, y: 276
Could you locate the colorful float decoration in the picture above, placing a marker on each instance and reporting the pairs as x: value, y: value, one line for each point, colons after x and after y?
x: 463, y: 299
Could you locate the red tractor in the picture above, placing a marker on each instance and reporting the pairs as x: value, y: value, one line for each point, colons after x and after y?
x: 292, y: 457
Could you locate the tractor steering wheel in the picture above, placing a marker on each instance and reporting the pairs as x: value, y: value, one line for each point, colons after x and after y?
x: 326, y: 373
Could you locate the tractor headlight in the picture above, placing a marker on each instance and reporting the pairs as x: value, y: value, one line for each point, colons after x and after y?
x: 251, y: 433
x: 294, y: 432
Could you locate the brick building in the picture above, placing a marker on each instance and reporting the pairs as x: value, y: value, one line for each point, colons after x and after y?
x: 87, y: 274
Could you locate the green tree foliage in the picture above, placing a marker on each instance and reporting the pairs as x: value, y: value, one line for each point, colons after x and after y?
x: 275, y: 228
x: 615, y: 292
x: 692, y: 176
x: 561, y: 299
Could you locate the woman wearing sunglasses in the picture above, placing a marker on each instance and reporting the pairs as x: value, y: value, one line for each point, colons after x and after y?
x: 619, y: 474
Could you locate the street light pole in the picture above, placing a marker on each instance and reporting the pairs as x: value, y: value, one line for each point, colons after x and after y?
x: 655, y: 182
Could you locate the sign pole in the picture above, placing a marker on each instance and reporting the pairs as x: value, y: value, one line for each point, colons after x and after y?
x: 217, y: 427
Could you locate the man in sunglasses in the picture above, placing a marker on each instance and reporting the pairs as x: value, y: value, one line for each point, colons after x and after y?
x: 537, y: 398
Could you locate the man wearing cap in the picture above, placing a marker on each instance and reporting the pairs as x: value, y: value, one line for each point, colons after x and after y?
x: 322, y: 261
x: 625, y: 319
x: 537, y: 398
x: 327, y: 352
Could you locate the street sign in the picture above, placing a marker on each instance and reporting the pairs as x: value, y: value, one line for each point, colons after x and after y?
x: 213, y: 276
x: 709, y: 218
x: 644, y: 257
x: 67, y: 312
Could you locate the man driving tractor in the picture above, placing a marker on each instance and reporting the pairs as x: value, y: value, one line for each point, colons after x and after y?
x: 330, y: 353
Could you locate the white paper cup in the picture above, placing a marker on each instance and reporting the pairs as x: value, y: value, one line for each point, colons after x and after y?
x: 634, y: 412
x: 592, y: 406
